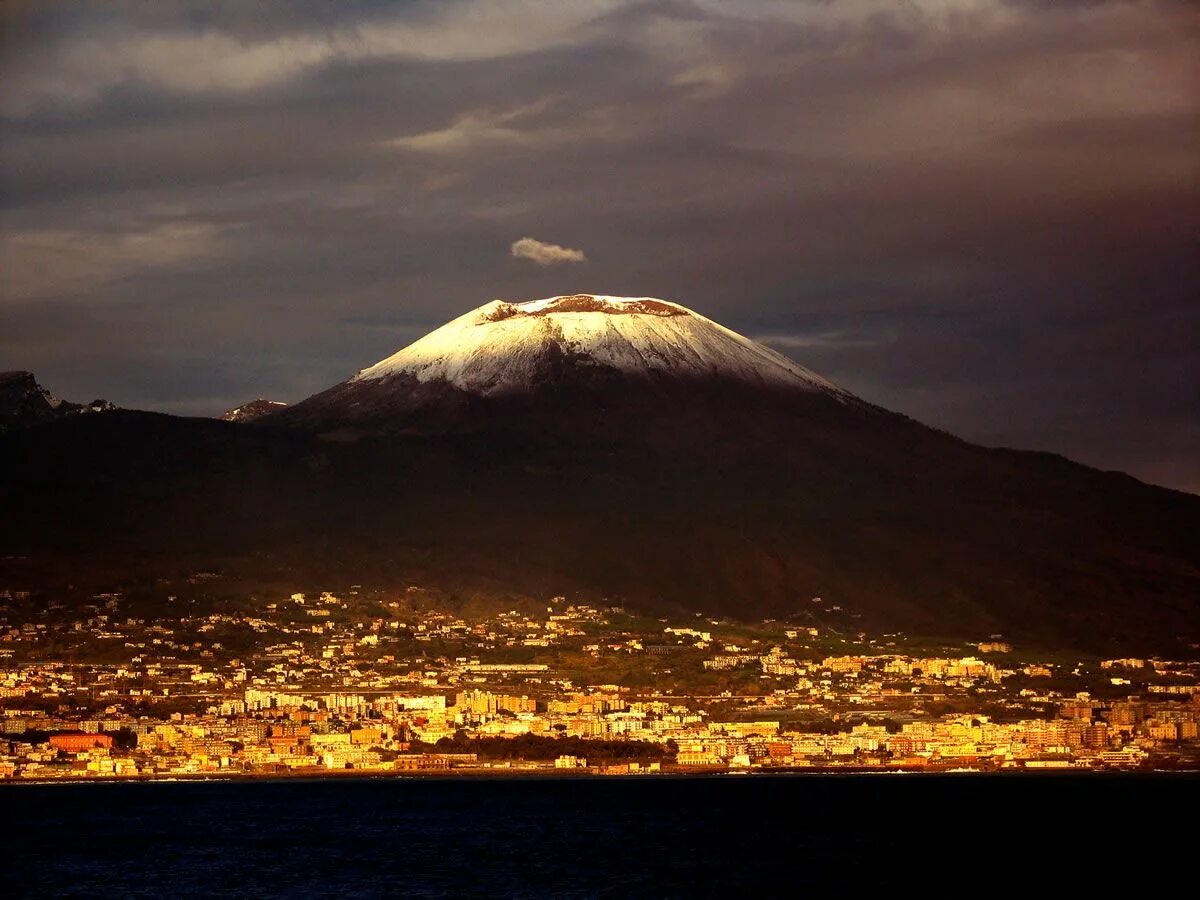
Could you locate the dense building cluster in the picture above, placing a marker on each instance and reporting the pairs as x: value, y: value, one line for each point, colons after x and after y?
x: 361, y: 682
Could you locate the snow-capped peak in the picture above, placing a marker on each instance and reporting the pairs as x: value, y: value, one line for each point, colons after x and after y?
x: 498, y: 347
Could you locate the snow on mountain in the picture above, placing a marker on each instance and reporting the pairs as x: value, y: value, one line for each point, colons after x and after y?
x: 255, y: 409
x: 496, y: 349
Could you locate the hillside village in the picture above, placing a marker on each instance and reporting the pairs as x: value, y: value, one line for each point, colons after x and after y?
x: 363, y: 682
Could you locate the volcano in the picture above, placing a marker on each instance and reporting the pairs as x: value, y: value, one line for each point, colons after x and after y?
x: 628, y: 449
x: 553, y: 350
x: 505, y: 348
x: 579, y: 371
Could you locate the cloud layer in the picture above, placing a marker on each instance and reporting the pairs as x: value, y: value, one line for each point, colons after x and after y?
x: 982, y: 213
x: 544, y: 254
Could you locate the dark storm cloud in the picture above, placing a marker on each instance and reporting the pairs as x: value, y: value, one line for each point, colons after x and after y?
x: 983, y: 214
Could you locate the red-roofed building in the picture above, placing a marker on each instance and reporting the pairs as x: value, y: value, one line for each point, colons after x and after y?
x: 75, y: 743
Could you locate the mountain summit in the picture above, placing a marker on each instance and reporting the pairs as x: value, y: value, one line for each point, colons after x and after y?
x: 507, y: 347
x: 574, y: 350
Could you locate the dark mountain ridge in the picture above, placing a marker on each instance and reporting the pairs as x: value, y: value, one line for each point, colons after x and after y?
x: 24, y: 402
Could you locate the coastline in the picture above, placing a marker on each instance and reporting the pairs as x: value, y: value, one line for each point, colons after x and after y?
x: 547, y: 773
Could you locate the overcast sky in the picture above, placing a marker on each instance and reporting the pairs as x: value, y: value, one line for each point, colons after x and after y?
x: 983, y: 214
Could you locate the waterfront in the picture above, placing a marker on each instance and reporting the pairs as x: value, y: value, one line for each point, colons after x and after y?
x: 616, y: 837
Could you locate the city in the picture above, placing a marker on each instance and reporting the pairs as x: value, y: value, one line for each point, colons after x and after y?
x: 361, y: 682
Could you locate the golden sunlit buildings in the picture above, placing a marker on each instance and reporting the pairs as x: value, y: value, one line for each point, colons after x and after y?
x: 174, y: 699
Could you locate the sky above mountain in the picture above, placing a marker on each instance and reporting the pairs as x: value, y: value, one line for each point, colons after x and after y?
x: 983, y: 214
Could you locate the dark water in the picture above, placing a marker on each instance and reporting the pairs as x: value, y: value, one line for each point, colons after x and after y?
x: 662, y: 837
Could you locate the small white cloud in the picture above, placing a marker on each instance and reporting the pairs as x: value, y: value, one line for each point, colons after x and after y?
x: 545, y: 254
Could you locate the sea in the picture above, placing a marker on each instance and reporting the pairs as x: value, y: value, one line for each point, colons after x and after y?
x: 961, y: 835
